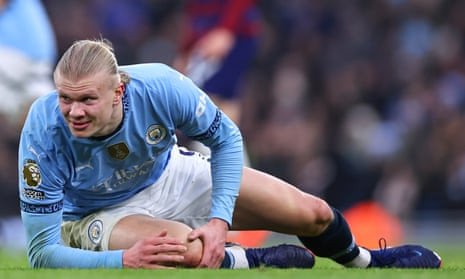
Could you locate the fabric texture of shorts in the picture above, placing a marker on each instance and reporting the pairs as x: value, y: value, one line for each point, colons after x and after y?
x: 182, y: 193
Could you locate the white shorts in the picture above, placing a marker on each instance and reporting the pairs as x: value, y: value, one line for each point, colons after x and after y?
x: 182, y: 193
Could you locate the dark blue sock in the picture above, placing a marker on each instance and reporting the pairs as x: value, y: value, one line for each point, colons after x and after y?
x: 227, y: 261
x: 336, y: 242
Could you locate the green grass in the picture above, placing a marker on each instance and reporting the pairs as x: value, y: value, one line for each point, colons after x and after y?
x: 14, y: 265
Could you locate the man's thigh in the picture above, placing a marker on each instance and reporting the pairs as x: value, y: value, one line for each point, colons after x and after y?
x: 93, y: 231
x: 118, y: 229
x: 124, y: 234
x: 268, y: 203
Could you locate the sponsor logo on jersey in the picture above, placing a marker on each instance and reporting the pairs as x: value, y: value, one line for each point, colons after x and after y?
x: 118, y: 151
x: 214, y: 126
x: 95, y: 231
x: 202, y: 105
x: 120, y: 177
x: 155, y: 134
x: 41, y: 208
x: 31, y: 173
x: 33, y: 194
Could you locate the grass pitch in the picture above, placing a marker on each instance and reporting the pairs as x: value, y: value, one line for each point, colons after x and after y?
x: 14, y: 265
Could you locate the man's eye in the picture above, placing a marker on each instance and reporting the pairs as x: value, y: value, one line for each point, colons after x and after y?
x: 88, y: 100
x: 65, y: 99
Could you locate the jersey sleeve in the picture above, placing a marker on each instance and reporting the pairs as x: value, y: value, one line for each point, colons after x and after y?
x: 199, y: 118
x: 45, y: 251
x: 42, y: 176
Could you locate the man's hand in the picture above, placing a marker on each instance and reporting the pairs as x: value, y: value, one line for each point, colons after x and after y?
x: 159, y: 251
x: 213, y: 236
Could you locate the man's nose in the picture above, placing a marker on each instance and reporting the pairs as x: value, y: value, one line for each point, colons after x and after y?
x: 76, y: 109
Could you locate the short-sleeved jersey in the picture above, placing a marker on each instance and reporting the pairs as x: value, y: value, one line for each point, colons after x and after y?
x: 62, y: 173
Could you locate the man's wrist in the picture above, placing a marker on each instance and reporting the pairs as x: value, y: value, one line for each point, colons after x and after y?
x: 217, y: 220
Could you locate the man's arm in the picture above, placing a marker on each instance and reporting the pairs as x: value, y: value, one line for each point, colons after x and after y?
x: 41, y: 175
x: 225, y: 142
x: 199, y: 118
x: 45, y: 251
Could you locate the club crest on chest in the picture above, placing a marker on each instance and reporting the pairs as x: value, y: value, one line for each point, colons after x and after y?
x: 118, y: 151
x: 155, y: 134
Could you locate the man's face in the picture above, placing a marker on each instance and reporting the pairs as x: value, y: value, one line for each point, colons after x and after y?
x: 90, y: 105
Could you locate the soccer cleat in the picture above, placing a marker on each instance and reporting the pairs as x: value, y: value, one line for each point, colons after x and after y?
x: 281, y: 256
x: 406, y: 256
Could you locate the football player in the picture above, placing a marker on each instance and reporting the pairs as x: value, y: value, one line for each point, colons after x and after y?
x: 104, y: 184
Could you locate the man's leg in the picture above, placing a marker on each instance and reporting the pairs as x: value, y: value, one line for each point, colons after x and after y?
x: 133, y: 228
x: 268, y: 203
x: 338, y: 235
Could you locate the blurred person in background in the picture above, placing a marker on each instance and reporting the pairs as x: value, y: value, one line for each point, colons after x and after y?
x: 219, y: 42
x: 27, y: 54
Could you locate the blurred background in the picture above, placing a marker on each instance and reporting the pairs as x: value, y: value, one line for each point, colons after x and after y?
x: 360, y: 102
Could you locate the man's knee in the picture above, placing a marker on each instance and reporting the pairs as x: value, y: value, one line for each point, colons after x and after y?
x: 324, y: 212
x: 193, y: 255
x: 319, y: 217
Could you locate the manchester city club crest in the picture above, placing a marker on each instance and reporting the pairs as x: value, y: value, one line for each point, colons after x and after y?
x: 31, y: 173
x: 155, y: 134
x: 95, y: 231
x: 118, y: 151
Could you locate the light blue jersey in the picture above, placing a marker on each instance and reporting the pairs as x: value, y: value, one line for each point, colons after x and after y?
x: 62, y: 176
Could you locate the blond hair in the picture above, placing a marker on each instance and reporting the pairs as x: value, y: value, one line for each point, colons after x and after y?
x: 85, y: 58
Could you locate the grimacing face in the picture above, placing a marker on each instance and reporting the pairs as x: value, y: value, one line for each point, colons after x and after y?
x: 92, y: 105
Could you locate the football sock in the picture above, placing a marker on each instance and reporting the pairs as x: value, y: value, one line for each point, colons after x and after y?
x: 362, y: 260
x: 235, y: 258
x: 337, y: 243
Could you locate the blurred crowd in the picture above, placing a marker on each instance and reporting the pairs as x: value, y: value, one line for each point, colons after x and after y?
x: 350, y: 100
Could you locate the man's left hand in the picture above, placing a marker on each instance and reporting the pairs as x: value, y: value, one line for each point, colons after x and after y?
x: 213, y: 236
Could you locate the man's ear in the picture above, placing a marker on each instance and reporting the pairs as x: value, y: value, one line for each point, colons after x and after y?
x: 119, y: 91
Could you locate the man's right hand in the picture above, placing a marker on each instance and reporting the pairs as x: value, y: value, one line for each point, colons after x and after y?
x: 159, y: 251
